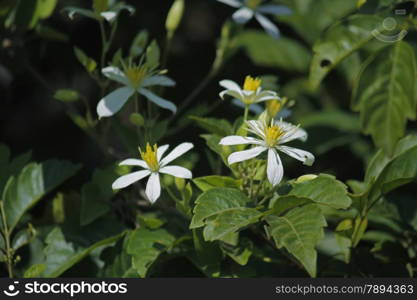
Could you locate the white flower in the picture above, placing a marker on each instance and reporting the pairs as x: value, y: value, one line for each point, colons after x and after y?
x: 251, y: 92
x: 109, y: 11
x: 253, y: 8
x: 154, y: 164
x: 272, y: 138
x: 134, y: 79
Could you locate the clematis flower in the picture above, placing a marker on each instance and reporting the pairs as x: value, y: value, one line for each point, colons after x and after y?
x: 253, y: 8
x: 154, y: 164
x: 271, y: 138
x: 250, y: 94
x: 135, y: 79
x: 108, y: 10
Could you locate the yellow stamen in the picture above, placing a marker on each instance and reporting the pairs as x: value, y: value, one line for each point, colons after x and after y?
x: 272, y: 135
x: 150, y: 157
x: 252, y: 4
x: 136, y: 74
x: 273, y: 107
x: 251, y: 84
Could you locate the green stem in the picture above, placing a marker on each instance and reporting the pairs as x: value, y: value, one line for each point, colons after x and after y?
x: 246, y: 113
x: 103, y: 43
x: 6, y: 235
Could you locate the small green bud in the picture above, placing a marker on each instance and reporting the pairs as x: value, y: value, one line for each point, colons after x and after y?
x: 67, y: 95
x: 137, y: 119
x: 305, y: 178
x: 174, y: 16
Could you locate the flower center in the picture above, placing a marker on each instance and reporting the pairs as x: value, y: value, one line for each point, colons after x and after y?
x: 272, y: 135
x: 252, y: 4
x: 251, y: 84
x: 136, y: 74
x: 150, y: 157
x: 273, y: 107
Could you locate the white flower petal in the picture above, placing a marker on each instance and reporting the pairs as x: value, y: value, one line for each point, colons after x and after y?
x: 115, y: 74
x: 177, y: 171
x: 279, y: 10
x: 153, y: 187
x: 245, y: 155
x: 113, y: 102
x: 158, y: 80
x: 243, y: 15
x: 256, y: 127
x: 134, y: 162
x: 237, y: 94
x: 81, y: 11
x: 275, y: 171
x: 109, y: 15
x: 161, y: 150
x: 269, y: 27
x: 128, y: 179
x: 306, y: 157
x: 233, y: 3
x: 230, y: 85
x: 293, y: 133
x: 266, y: 95
x: 239, y: 140
x: 158, y: 100
x: 177, y: 152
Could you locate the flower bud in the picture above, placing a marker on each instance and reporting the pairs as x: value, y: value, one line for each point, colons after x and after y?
x: 174, y: 16
x: 305, y: 178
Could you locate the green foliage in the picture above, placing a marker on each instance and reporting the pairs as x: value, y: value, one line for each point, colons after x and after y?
x: 299, y: 231
x: 341, y: 41
x: 227, y: 220
x: 266, y: 51
x: 146, y: 245
x: 34, y: 182
x: 385, y: 94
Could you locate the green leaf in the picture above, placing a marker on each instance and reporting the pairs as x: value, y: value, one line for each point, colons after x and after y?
x: 385, y: 94
x: 338, y: 119
x: 216, y: 126
x: 282, y: 53
x: 208, y: 254
x: 323, y: 190
x: 118, y: 264
x: 398, y: 172
x: 67, y: 95
x: 311, y: 17
x: 299, y: 231
x: 46, y: 8
x: 216, y: 201
x: 210, y: 182
x: 9, y: 168
x: 88, y: 63
x: 96, y: 194
x: 34, y: 182
x: 146, y: 245
x: 240, y: 253
x: 34, y: 271
x: 229, y: 222
x: 339, y: 42
x: 380, y: 160
x: 23, y: 237
x: 69, y: 244
x: 213, y: 143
